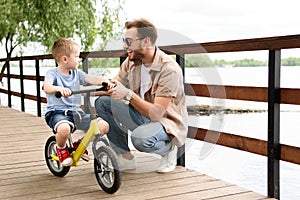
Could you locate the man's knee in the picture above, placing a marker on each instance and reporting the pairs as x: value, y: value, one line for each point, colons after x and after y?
x: 142, y: 143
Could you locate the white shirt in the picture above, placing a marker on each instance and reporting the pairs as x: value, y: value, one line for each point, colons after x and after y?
x: 145, y: 80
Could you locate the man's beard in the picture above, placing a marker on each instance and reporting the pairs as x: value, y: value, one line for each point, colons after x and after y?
x: 137, y: 58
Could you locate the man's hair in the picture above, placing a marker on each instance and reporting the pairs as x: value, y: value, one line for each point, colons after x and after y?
x: 144, y: 27
x: 62, y: 47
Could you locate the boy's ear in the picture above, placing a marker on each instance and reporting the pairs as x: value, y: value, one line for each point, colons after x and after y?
x: 64, y: 59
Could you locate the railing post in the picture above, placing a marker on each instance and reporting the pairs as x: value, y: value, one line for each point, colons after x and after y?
x: 9, y: 93
x: 22, y: 86
x: 274, y: 124
x: 181, y: 150
x: 85, y: 68
x: 85, y: 65
x: 38, y: 86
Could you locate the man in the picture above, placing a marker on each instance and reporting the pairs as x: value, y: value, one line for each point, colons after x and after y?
x: 148, y: 100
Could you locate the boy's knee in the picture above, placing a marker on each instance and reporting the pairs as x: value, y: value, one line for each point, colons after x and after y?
x: 103, y: 126
x: 63, y: 129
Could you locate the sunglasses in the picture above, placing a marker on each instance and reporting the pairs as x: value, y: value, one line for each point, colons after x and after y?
x: 128, y: 41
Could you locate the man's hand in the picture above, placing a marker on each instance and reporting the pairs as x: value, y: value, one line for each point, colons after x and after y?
x: 119, y: 91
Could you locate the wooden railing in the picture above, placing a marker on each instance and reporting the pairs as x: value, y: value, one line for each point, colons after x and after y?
x: 273, y: 94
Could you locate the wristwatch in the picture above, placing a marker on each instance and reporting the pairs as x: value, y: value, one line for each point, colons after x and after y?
x: 128, y: 96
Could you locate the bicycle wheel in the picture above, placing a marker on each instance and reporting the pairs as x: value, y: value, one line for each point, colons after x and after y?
x: 54, y: 165
x: 106, y: 166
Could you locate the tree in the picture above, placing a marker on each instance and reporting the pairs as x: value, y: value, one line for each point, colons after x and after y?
x: 198, y: 60
x: 24, y: 21
x: 291, y: 61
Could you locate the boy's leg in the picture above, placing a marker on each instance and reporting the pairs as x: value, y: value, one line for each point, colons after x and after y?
x: 62, y: 133
x: 62, y: 126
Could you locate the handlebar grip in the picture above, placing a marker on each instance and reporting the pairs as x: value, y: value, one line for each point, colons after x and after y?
x: 104, y: 86
x: 58, y: 94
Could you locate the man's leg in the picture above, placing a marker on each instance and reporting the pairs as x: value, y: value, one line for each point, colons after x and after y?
x: 121, y: 118
x: 151, y: 138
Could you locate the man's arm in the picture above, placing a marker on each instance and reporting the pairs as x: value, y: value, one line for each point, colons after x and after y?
x: 153, y: 111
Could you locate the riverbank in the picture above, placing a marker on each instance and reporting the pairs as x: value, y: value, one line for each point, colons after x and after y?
x: 201, y: 110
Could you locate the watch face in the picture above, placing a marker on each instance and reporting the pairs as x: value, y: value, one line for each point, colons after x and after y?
x: 128, y: 95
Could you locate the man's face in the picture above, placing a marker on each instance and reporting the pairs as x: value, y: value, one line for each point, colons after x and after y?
x: 133, y: 45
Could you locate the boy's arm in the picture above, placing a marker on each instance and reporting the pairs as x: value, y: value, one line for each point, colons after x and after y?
x: 51, y: 89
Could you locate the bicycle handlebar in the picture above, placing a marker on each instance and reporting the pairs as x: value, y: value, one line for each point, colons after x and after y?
x: 103, y: 88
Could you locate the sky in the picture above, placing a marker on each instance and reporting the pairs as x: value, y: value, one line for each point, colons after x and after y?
x: 189, y: 21
x: 220, y: 20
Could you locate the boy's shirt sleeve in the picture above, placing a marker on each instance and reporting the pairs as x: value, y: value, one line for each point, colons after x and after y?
x: 82, y: 75
x: 50, y: 78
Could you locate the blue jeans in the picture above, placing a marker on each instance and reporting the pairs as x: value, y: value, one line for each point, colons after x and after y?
x: 146, y: 136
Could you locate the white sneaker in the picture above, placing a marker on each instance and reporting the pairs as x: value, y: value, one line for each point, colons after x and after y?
x: 169, y: 161
x: 126, y: 164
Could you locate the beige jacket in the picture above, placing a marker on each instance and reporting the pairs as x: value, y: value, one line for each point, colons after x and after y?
x: 166, y: 81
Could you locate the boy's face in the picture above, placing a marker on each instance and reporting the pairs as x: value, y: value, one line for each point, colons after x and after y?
x: 73, y: 60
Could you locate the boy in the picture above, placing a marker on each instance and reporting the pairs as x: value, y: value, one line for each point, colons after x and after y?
x: 64, y: 114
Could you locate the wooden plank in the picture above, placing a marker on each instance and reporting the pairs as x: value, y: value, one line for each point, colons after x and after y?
x: 24, y: 174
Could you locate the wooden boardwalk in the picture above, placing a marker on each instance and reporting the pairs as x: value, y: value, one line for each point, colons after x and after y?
x: 24, y: 174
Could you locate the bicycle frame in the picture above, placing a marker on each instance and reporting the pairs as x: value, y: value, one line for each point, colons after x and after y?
x: 86, y: 140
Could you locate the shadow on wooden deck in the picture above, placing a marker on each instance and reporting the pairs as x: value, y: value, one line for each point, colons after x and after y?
x: 24, y: 174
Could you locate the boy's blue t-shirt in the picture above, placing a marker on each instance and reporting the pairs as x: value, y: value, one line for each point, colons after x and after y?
x: 73, y: 81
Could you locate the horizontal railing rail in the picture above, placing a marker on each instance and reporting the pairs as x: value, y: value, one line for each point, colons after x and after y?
x: 272, y: 94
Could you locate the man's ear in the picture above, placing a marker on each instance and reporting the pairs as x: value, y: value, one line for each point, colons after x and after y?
x: 147, y: 41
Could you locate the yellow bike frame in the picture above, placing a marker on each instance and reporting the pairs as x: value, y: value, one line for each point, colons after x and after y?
x: 88, y: 137
x: 86, y: 140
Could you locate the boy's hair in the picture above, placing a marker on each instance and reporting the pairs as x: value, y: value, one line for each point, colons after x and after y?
x: 62, y: 47
x: 144, y: 27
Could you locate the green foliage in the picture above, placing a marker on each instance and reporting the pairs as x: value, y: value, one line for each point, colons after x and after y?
x: 241, y: 63
x: 104, y: 63
x: 24, y: 21
x: 292, y: 61
x: 198, y: 60
x: 248, y: 62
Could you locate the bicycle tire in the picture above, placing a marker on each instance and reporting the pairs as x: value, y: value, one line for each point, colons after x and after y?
x: 54, y: 166
x: 107, y: 169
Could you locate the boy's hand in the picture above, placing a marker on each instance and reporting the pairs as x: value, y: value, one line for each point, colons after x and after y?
x: 65, y: 92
